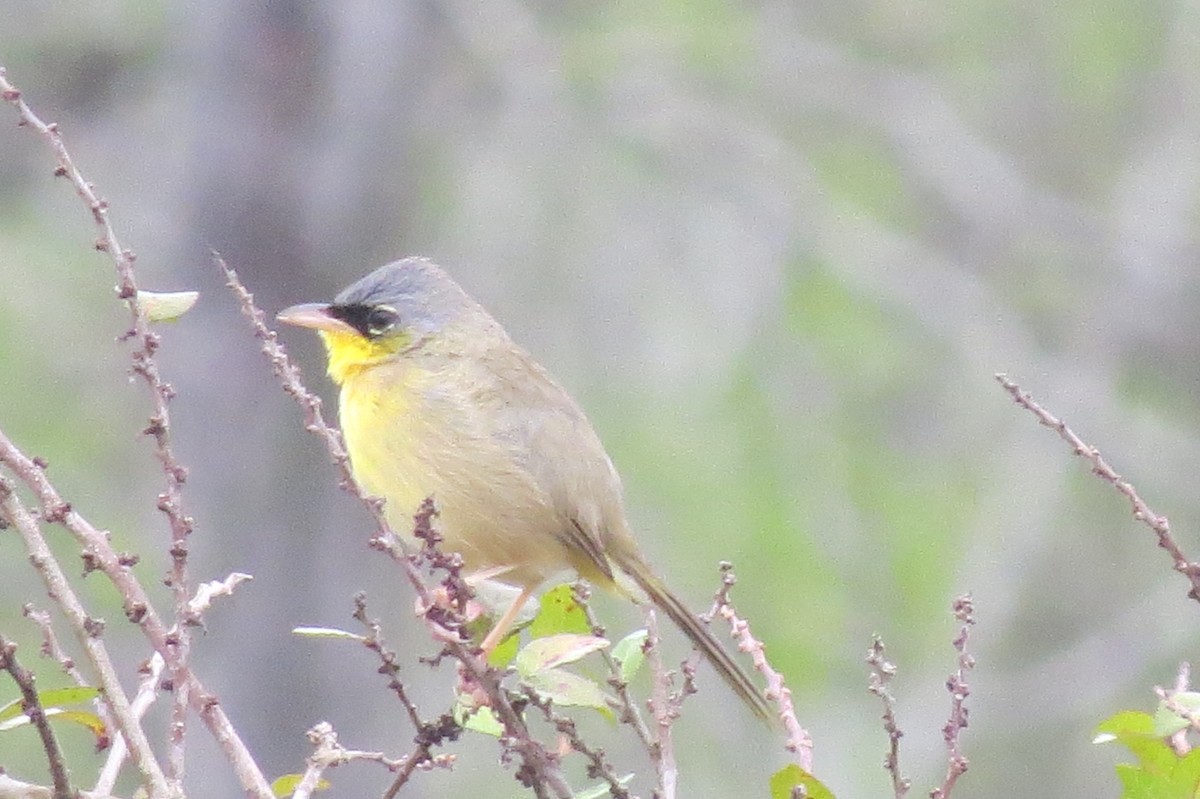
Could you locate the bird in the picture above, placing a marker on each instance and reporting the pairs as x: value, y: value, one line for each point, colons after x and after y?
x: 437, y: 401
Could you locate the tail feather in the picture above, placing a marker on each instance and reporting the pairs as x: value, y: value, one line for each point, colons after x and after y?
x: 700, y: 636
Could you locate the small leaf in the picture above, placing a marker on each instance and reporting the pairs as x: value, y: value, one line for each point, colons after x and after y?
x: 792, y: 776
x: 479, y: 719
x: 1127, y: 722
x: 1135, y: 731
x: 286, y: 785
x: 1167, y: 722
x: 564, y: 688
x: 327, y: 632
x: 90, y: 721
x: 630, y: 654
x: 597, y: 791
x: 542, y: 654
x: 504, y: 652
x: 166, y: 306
x: 55, y: 697
x: 559, y: 613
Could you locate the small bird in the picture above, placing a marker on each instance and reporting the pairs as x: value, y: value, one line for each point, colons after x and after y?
x: 437, y: 401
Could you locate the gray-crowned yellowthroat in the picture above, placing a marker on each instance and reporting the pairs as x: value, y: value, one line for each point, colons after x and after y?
x: 437, y: 401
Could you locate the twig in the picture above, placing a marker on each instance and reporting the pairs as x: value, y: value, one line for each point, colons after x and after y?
x: 413, y: 762
x: 16, y: 789
x: 429, y: 734
x: 31, y: 706
x: 328, y: 753
x: 170, y: 501
x: 146, y: 694
x: 52, y: 648
x: 627, y: 710
x: 389, y: 663
x: 539, y: 769
x: 798, y: 739
x: 882, y: 672
x: 1100, y: 467
x: 87, y: 631
x: 99, y: 554
x: 1178, y: 740
x: 956, y: 684
x: 207, y: 592
x: 663, y: 709
x: 598, y: 765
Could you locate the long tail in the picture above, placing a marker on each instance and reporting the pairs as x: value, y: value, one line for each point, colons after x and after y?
x: 699, y: 634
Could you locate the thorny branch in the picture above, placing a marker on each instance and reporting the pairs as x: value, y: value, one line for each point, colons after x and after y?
x: 1170, y: 698
x: 627, y: 710
x: 170, y: 501
x: 664, y: 708
x: 1100, y: 467
x: 798, y: 739
x: 99, y: 554
x: 882, y: 672
x: 429, y: 734
x: 598, y: 765
x: 32, y: 707
x: 956, y: 684
x: 329, y: 753
x: 87, y: 629
x: 539, y: 770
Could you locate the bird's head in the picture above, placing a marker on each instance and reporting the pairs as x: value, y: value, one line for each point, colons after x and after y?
x: 384, y: 315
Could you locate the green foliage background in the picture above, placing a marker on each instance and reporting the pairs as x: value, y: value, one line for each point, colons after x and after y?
x: 778, y: 251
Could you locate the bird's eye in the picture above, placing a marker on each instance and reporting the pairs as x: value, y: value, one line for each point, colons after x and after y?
x: 381, y: 319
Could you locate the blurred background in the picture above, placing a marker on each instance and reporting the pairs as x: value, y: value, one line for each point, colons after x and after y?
x: 776, y: 249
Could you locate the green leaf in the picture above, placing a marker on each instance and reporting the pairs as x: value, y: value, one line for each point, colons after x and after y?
x: 479, y: 719
x: 89, y: 721
x: 792, y: 776
x: 543, y: 654
x: 564, y: 688
x: 597, y: 791
x: 629, y: 652
x: 287, y: 784
x: 1135, y: 731
x: 55, y: 697
x: 166, y: 306
x: 1127, y: 722
x: 560, y: 613
x: 327, y: 632
x: 1167, y: 722
x: 504, y: 652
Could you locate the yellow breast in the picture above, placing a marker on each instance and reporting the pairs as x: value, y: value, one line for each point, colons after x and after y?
x: 413, y: 433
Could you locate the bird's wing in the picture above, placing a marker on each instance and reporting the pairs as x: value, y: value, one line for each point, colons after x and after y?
x: 552, y: 440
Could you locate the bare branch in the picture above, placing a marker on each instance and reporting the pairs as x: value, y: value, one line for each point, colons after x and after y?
x: 170, y: 501
x: 99, y: 554
x: 52, y: 648
x: 87, y: 630
x: 598, y: 765
x: 328, y: 753
x: 662, y: 708
x: 956, y: 684
x: 539, y: 768
x: 1169, y: 696
x: 207, y: 592
x: 798, y: 739
x: 31, y: 706
x: 627, y: 709
x: 146, y: 694
x: 882, y: 672
x: 1100, y: 467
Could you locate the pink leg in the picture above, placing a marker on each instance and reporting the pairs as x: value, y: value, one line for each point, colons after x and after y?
x: 506, y: 621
